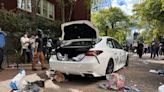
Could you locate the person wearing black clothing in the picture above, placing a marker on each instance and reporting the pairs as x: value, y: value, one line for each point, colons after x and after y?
x: 38, y: 52
x: 140, y: 49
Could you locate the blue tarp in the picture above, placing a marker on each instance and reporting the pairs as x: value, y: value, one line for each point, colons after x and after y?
x: 2, y: 39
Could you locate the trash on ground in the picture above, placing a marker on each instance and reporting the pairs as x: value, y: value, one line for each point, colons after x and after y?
x: 153, y: 71
x: 114, y: 82
x: 160, y: 72
x: 161, y: 88
x: 127, y: 88
x: 50, y: 84
x: 32, y: 87
x: 103, y: 86
x: 16, y: 81
x: 59, y: 77
x: 40, y: 83
x: 136, y: 89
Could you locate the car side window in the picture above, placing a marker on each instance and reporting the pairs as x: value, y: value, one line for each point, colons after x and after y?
x: 109, y: 43
x: 117, y: 45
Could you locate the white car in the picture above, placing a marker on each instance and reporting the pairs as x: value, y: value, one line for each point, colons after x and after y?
x: 83, y: 52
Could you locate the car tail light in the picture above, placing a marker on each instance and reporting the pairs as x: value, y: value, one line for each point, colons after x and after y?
x: 93, y: 53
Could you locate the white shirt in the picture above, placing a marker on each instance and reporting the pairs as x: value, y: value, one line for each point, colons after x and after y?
x: 32, y: 41
x: 25, y: 42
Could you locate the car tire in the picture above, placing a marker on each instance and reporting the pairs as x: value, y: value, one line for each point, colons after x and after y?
x: 127, y: 62
x: 110, y: 67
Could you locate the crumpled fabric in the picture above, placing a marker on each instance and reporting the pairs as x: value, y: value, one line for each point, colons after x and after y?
x: 114, y: 82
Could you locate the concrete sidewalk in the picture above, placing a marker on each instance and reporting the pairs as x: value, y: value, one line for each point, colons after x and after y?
x: 146, y: 59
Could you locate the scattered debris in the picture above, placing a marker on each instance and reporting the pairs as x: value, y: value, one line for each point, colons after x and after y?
x: 40, y: 83
x: 50, y: 84
x: 15, y: 82
x: 136, y: 89
x: 59, y: 77
x: 114, y: 82
x: 161, y: 88
x: 160, y: 72
x: 127, y: 88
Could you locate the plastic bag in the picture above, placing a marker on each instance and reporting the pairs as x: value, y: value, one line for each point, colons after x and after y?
x: 115, y: 81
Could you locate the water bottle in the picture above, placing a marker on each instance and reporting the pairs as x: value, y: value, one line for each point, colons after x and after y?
x: 15, y: 82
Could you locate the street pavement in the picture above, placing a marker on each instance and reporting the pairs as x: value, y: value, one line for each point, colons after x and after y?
x: 136, y: 74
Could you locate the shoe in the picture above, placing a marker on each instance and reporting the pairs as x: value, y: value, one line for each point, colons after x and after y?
x: 44, y: 68
x: 34, y: 69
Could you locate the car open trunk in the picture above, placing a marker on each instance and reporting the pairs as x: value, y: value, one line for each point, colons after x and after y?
x: 74, y: 51
x: 78, y: 37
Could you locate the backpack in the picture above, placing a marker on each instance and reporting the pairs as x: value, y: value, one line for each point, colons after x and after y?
x: 2, y: 40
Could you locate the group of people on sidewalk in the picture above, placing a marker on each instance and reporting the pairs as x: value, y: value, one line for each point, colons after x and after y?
x: 33, y: 49
x: 155, y: 48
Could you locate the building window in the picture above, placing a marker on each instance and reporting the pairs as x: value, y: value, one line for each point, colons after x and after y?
x: 50, y: 10
x: 24, y: 4
x: 46, y: 9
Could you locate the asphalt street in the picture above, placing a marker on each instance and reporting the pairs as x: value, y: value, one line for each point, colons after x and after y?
x: 136, y: 74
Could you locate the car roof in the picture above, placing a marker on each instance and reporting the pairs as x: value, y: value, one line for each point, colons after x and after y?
x: 105, y: 37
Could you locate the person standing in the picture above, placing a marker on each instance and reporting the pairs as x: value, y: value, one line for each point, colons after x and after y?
x: 25, y: 52
x: 38, y: 52
x: 140, y: 49
x: 154, y: 49
x: 2, y: 45
x: 32, y: 43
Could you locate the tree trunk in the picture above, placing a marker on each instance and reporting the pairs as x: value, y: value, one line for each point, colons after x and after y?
x: 63, y: 10
x: 34, y: 11
x: 73, y: 4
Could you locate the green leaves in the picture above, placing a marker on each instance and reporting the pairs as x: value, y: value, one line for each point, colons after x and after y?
x: 151, y: 14
x: 113, y: 22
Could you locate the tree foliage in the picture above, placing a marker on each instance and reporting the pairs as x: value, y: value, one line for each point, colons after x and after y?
x: 113, y: 22
x: 22, y: 21
x: 150, y: 16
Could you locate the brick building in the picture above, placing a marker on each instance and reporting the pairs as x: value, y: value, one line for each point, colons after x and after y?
x: 51, y: 9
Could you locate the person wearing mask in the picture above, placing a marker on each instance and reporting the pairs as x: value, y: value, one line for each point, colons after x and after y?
x: 2, y: 45
x: 38, y: 52
x: 25, y: 51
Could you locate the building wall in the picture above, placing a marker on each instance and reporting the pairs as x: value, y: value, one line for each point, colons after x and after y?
x: 9, y: 4
x: 79, y: 12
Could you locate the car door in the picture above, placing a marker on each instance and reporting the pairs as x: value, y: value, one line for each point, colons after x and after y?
x: 121, y: 53
x: 111, y: 45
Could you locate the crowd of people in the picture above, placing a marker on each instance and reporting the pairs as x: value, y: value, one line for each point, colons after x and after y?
x: 156, y: 48
x: 35, y: 48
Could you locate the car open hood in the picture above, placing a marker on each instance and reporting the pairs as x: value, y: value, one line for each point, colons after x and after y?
x: 81, y: 29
